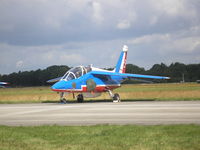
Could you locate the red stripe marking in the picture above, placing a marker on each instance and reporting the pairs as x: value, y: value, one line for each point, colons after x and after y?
x: 84, y: 89
x: 124, y: 67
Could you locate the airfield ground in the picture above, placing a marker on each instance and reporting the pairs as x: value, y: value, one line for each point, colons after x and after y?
x: 135, y: 112
x: 43, y: 126
x: 158, y: 103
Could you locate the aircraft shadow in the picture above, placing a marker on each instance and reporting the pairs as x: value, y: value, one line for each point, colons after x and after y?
x: 102, y: 101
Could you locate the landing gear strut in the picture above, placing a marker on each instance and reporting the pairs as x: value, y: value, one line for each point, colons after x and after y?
x: 115, y: 97
x: 62, y: 99
x: 80, y: 98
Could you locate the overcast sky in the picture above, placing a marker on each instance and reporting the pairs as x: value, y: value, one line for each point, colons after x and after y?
x: 39, y: 33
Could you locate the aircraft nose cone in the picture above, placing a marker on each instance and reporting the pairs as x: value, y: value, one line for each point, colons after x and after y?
x: 59, y: 85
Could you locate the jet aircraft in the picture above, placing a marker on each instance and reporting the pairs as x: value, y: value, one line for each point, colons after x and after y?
x: 90, y: 82
x: 2, y: 84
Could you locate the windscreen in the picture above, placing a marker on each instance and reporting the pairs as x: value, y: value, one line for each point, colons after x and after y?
x: 70, y: 76
x: 76, y: 72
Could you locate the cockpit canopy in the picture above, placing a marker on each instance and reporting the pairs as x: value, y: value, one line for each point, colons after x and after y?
x: 76, y: 72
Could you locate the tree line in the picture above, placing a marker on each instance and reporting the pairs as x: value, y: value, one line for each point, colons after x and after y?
x: 176, y: 71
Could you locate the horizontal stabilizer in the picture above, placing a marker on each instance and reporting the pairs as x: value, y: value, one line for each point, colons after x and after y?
x: 54, y: 80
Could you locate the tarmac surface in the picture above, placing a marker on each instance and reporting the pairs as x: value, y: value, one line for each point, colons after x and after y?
x: 134, y: 112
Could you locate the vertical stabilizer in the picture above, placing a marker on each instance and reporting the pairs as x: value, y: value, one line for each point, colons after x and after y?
x: 121, y: 64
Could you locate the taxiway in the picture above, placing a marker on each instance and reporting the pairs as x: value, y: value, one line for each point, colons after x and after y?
x: 135, y: 112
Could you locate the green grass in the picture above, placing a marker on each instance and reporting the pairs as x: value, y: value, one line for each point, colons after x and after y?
x: 25, y: 90
x: 159, y: 87
x: 101, y: 137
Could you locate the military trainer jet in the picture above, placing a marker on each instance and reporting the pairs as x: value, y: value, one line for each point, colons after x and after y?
x: 91, y: 82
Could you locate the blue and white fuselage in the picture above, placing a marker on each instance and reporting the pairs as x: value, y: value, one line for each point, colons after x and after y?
x: 76, y: 81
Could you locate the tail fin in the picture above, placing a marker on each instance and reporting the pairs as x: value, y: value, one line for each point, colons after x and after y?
x: 121, y: 64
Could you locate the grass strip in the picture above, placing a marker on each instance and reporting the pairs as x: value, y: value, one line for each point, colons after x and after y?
x: 101, y: 137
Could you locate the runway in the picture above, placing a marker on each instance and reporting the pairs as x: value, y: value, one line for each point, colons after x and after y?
x: 135, y: 112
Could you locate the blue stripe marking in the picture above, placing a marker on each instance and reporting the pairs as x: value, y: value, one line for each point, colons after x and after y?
x: 119, y: 62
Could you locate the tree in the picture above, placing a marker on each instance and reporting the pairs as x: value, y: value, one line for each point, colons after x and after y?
x: 130, y: 68
x: 34, y: 78
x: 39, y: 77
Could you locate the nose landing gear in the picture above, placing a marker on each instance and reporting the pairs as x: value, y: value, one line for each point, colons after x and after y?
x: 62, y: 99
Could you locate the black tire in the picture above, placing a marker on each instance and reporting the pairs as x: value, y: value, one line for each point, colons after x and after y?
x: 116, y: 97
x: 80, y: 98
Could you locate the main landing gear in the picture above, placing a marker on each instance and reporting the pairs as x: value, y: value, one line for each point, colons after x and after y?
x: 115, y: 97
x: 80, y: 98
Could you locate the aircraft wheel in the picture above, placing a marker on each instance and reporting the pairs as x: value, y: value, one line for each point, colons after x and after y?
x: 63, y: 101
x: 116, y: 98
x: 80, y: 98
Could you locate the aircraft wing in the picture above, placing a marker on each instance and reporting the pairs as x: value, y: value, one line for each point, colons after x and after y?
x: 141, y: 80
x: 128, y: 75
x: 54, y: 80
